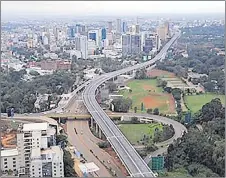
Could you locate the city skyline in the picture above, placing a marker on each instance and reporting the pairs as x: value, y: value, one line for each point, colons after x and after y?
x: 95, y: 8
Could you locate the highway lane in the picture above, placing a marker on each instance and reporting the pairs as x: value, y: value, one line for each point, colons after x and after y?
x: 91, y: 141
x: 134, y: 163
x: 80, y: 144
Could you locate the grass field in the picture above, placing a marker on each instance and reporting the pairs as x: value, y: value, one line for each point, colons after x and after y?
x: 135, y: 132
x: 147, y: 92
x: 195, y: 102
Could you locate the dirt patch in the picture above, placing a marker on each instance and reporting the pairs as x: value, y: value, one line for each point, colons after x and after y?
x: 160, y: 73
x: 148, y: 87
x: 9, y: 140
x: 152, y: 102
x: 117, y: 161
x: 172, y: 107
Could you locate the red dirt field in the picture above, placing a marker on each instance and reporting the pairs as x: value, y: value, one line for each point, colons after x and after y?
x: 160, y: 73
x: 153, y: 101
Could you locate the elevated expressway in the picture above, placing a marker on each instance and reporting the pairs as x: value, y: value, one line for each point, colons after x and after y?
x: 129, y: 156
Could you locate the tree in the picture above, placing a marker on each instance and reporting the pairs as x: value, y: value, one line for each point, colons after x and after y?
x: 112, y: 87
x: 122, y: 104
x: 134, y: 120
x: 34, y: 73
x: 156, y: 111
x: 142, y: 106
x: 68, y: 165
x: 135, y: 109
x: 149, y: 111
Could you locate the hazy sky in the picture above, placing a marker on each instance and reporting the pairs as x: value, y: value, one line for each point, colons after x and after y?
x: 81, y: 8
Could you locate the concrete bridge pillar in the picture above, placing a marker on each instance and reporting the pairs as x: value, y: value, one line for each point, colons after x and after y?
x: 97, y: 128
x: 59, y: 120
x: 100, y: 133
x: 91, y: 122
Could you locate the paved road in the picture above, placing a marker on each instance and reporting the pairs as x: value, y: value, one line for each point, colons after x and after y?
x: 91, y: 141
x: 129, y: 156
x: 84, y: 147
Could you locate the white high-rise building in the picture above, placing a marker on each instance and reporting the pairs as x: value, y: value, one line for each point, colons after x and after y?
x: 91, y: 47
x: 47, y: 162
x: 31, y: 136
x: 81, y: 44
x: 84, y: 47
x: 95, y: 35
x: 118, y: 26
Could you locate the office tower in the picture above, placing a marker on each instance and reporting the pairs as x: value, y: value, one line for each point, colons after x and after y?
x: 81, y: 45
x: 167, y: 32
x: 131, y: 44
x: 118, y: 26
x: 126, y: 44
x: 71, y: 31
x: 95, y: 35
x: 135, y: 29
x: 109, y: 27
x: 103, y: 34
x: 91, y: 47
x: 124, y: 27
x: 135, y: 44
x: 84, y: 47
x: 148, y: 45
x: 161, y: 31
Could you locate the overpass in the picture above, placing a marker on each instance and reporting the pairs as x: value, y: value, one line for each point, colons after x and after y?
x: 129, y: 156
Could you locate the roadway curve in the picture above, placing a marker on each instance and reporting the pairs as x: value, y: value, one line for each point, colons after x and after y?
x: 129, y: 156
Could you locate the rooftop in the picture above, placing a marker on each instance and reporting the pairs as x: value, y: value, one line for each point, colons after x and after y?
x: 88, y: 167
x: 10, y: 152
x: 35, y: 126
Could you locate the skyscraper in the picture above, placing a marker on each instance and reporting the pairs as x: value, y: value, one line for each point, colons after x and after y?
x: 124, y: 27
x: 81, y: 45
x: 126, y: 44
x: 103, y: 34
x: 118, y: 26
x: 135, y: 44
x: 71, y: 31
x: 109, y: 27
x: 131, y: 44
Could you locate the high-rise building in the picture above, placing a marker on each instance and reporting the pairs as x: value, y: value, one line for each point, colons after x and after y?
x: 109, y: 27
x: 81, y: 45
x: 84, y: 47
x: 135, y: 29
x: 91, y: 47
x: 71, y: 31
x: 167, y: 31
x: 148, y: 45
x: 103, y: 34
x: 118, y: 26
x: 31, y: 136
x: 124, y: 27
x: 95, y: 35
x: 47, y: 162
x: 161, y: 31
x: 135, y: 44
x: 126, y: 44
x: 131, y: 44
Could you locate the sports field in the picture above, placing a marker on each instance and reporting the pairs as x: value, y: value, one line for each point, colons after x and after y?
x: 195, y: 102
x: 135, y: 132
x: 147, y: 92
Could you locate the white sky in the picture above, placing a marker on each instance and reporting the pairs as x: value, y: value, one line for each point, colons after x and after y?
x: 109, y: 7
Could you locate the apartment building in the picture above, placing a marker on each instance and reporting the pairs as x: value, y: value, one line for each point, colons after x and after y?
x: 9, y: 161
x: 31, y: 136
x: 47, y: 162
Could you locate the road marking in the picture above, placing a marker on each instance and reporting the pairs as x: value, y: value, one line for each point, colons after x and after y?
x: 114, y: 137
